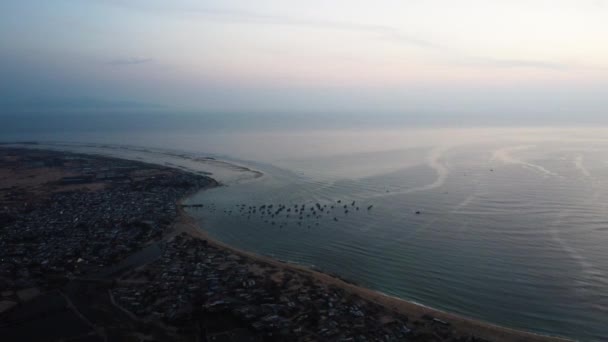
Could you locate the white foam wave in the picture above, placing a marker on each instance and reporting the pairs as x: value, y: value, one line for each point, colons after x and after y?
x: 579, y: 164
x: 463, y: 203
x: 505, y: 155
x: 434, y: 161
x: 592, y: 275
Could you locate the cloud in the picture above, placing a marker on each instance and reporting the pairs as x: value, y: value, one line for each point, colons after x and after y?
x: 490, y: 62
x: 243, y: 16
x: 519, y: 63
x: 129, y: 61
x: 384, y: 32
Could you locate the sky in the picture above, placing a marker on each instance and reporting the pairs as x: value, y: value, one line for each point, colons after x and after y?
x: 478, y: 57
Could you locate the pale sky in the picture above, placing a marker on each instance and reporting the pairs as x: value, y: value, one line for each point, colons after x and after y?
x: 256, y: 56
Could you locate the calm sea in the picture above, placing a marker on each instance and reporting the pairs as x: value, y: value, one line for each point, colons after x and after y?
x: 506, y: 225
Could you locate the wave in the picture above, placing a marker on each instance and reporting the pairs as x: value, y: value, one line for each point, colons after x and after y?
x: 593, y: 277
x: 463, y: 203
x: 434, y: 161
x: 505, y: 155
x: 578, y: 163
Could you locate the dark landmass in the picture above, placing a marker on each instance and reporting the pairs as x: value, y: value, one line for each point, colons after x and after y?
x: 100, y: 249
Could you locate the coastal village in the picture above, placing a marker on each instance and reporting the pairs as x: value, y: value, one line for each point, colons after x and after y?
x: 255, y: 300
x: 125, y: 206
x: 95, y: 249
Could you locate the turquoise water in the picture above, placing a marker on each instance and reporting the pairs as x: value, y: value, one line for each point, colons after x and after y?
x: 512, y: 224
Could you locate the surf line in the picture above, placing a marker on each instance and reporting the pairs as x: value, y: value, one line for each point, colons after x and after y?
x: 580, y: 165
x: 593, y: 276
x: 435, y: 162
x: 505, y: 155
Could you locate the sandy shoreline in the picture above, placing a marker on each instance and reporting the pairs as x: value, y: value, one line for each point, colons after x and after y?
x: 187, y: 224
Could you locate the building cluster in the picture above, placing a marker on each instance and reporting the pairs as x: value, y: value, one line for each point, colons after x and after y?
x: 195, y: 281
x: 73, y: 232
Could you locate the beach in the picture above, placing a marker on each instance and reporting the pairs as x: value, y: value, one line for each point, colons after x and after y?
x: 187, y: 224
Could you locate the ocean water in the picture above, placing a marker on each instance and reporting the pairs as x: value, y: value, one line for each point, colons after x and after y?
x: 506, y: 225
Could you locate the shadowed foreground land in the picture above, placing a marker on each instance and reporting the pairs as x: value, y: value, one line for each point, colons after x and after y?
x: 97, y: 249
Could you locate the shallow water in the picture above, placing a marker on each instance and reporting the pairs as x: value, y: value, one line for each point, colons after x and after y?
x: 512, y: 223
